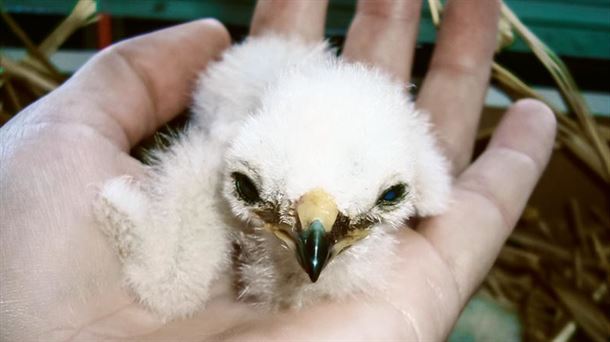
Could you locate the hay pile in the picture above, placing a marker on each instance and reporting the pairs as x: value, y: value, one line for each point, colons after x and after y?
x: 24, y: 81
x: 557, y: 275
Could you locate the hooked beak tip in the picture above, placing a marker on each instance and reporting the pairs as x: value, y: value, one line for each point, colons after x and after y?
x: 314, y: 250
x: 313, y: 276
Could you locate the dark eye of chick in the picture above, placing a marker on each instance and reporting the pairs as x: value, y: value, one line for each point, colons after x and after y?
x: 392, y: 195
x: 245, y: 188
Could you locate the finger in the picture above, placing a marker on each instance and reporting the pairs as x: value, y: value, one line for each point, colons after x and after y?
x: 303, y: 18
x: 130, y: 89
x: 455, y: 85
x: 491, y: 194
x: 383, y: 33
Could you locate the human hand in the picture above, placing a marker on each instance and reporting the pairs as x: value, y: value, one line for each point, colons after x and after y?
x: 60, y: 278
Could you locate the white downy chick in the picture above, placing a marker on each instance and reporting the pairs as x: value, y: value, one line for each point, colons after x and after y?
x: 305, y: 162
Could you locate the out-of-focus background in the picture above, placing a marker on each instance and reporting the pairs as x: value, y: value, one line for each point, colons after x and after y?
x: 551, y: 279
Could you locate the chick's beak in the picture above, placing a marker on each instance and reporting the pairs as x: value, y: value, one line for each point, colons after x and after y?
x: 317, y: 213
x: 313, y: 249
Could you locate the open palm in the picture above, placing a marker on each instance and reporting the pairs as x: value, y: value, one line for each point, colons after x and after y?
x: 61, y: 279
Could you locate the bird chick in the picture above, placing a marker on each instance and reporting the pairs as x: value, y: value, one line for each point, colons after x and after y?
x: 305, y: 163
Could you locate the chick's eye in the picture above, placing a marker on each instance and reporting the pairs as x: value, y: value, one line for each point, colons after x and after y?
x: 392, y: 194
x: 245, y: 188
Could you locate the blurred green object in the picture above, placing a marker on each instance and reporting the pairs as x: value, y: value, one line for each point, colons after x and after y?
x: 484, y: 319
x: 571, y: 28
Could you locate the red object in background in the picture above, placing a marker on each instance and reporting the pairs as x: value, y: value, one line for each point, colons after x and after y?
x: 104, y: 31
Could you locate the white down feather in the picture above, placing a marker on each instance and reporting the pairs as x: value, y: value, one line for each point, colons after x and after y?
x: 299, y: 118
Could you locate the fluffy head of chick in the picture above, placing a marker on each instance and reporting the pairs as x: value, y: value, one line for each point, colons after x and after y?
x: 334, y: 151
